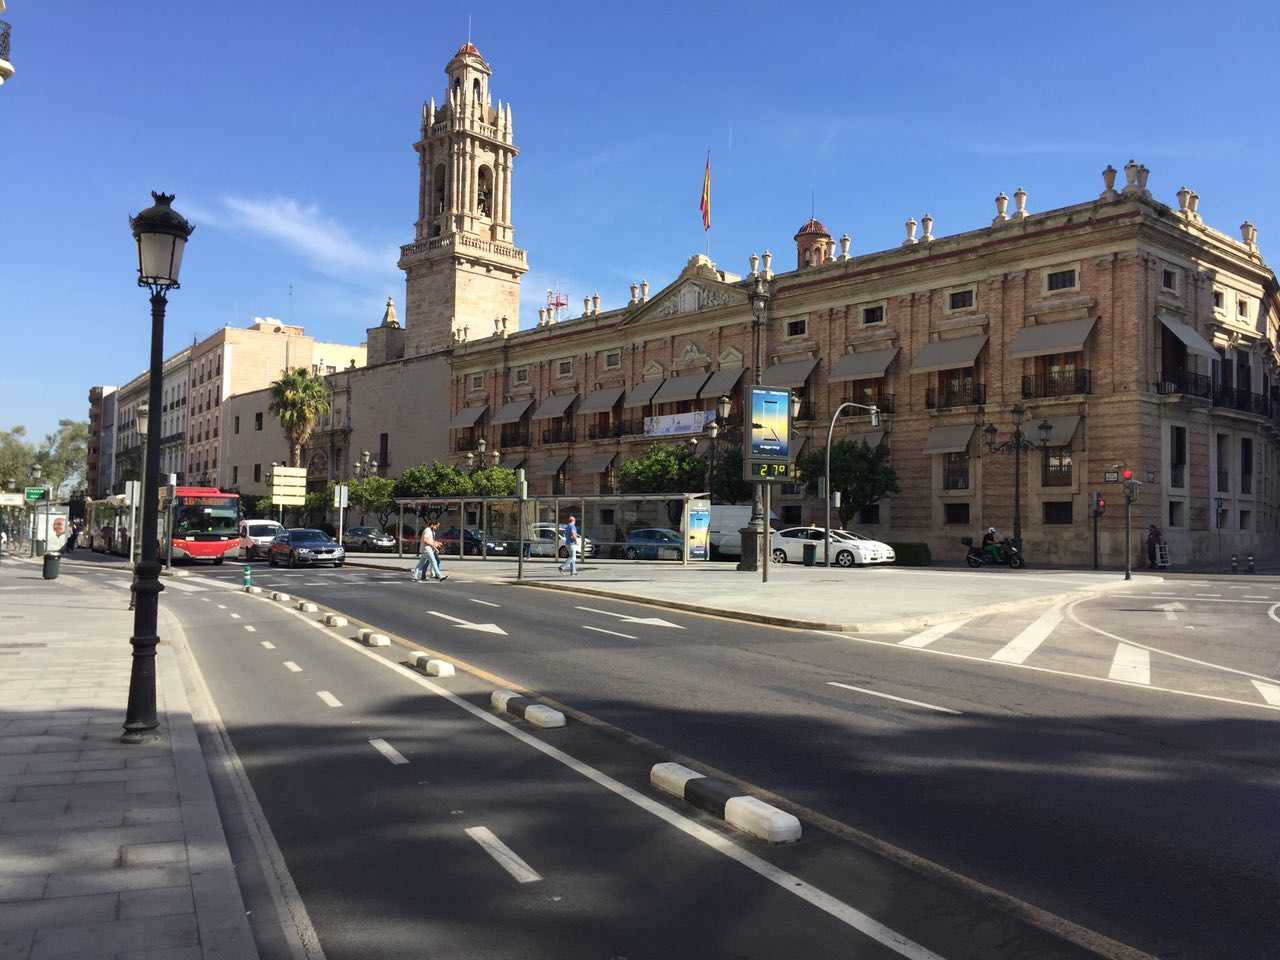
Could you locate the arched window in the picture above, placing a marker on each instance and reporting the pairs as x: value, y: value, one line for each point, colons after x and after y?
x: 437, y: 182
x: 484, y: 191
x: 475, y: 90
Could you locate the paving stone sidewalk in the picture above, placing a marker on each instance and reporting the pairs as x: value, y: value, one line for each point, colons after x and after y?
x: 107, y: 851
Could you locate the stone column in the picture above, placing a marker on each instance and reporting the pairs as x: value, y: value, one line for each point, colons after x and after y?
x: 506, y: 193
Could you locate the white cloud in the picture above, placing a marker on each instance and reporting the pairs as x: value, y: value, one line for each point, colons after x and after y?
x: 305, y: 230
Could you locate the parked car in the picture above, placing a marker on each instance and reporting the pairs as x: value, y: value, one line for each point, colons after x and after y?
x: 256, y: 537
x: 654, y: 543
x: 305, y: 546
x: 547, y: 540
x: 879, y: 551
x: 367, y: 538
x: 848, y: 549
x: 727, y: 519
x: 474, y: 543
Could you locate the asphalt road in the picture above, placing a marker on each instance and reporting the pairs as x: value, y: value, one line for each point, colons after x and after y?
x: 1108, y: 762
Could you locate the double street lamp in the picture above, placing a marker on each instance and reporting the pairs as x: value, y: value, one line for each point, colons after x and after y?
x: 161, y: 235
x: 365, y: 467
x: 723, y: 406
x: 759, y: 523
x: 478, y: 454
x: 1016, y: 444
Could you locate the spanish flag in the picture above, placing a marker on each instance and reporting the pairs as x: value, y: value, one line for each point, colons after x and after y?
x: 704, y: 203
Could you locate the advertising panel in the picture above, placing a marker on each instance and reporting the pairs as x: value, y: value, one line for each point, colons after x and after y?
x: 678, y: 424
x: 699, y: 529
x: 770, y: 424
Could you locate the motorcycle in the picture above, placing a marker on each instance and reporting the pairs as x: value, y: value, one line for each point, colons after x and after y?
x: 1010, y: 555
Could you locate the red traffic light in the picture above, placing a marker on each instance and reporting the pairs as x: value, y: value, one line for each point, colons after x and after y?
x: 1127, y: 474
x: 1102, y: 503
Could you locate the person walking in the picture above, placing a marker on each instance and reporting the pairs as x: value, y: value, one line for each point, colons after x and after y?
x: 427, y: 554
x: 570, y: 565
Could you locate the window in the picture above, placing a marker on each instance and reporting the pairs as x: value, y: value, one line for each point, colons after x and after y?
x: 1169, y: 280
x: 235, y: 474
x: 384, y: 456
x: 1246, y: 517
x: 797, y: 328
x: 613, y: 359
x: 1061, y: 280
x: 961, y: 299
x: 1056, y: 471
x: 257, y: 473
x: 330, y: 369
x: 1242, y: 308
x: 1057, y: 511
x: 791, y: 514
x: 521, y: 375
x: 257, y: 421
x: 869, y: 516
x: 955, y: 514
x: 955, y: 471
x: 564, y: 368
x: 1246, y: 466
x: 1178, y: 457
x: 1224, y: 461
x: 872, y: 315
x: 1219, y: 301
x: 476, y: 381
x: 236, y: 425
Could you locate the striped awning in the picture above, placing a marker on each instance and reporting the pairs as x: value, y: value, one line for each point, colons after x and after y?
x: 949, y: 439
x: 793, y: 373
x: 549, y: 468
x: 722, y: 383
x: 600, y: 461
x: 600, y: 401
x: 867, y: 365
x: 1045, y: 338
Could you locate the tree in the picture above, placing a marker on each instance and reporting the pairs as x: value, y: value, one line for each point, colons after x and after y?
x: 861, y: 473
x: 16, y: 456
x: 434, y: 480
x: 373, y: 494
x: 298, y: 400
x: 64, y: 455
x: 493, y: 482
x: 727, y: 483
x: 665, y: 468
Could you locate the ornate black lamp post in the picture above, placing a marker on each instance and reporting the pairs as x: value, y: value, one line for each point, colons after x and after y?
x: 36, y: 475
x: 1015, y: 445
x: 723, y: 406
x: 755, y: 541
x: 161, y: 234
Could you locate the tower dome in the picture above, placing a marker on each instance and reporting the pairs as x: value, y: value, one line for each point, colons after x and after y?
x: 814, y: 245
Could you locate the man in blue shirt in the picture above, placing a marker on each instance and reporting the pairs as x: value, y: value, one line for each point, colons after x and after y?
x: 570, y: 566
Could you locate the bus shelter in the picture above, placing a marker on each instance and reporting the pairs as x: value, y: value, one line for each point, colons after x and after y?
x: 613, y: 527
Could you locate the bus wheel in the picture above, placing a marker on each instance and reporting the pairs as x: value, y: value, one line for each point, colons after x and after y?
x: 217, y: 561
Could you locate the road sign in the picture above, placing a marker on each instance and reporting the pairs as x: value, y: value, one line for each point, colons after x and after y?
x: 289, y: 486
x: 35, y: 494
x: 1111, y: 476
x: 341, y: 493
x: 11, y: 500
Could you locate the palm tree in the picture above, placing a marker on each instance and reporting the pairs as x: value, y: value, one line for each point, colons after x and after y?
x: 298, y: 400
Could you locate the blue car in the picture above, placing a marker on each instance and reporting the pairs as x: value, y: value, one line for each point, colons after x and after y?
x: 654, y: 543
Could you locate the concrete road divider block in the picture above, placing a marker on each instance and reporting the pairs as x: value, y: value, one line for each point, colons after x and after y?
x: 372, y: 639
x: 539, y: 715
x: 671, y: 778
x: 752, y: 815
x: 307, y: 607
x: 333, y: 620
x: 252, y: 589
x: 543, y: 716
x: 436, y: 668
x: 364, y: 634
x: 416, y: 655
x: 500, y: 699
x: 280, y: 597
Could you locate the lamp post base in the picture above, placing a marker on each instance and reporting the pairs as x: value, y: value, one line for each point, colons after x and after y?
x: 749, y: 562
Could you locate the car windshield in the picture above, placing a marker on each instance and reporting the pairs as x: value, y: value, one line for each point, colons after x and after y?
x: 263, y: 530
x: 309, y: 536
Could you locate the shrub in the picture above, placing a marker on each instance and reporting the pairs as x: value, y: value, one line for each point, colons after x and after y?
x: 912, y: 554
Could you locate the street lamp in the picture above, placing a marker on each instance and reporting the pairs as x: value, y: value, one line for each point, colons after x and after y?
x: 759, y: 298
x: 875, y: 422
x: 161, y: 235
x: 723, y: 406
x: 1015, y: 445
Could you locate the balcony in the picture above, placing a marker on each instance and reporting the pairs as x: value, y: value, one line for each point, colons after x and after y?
x: 514, y: 437
x: 1243, y: 400
x: 955, y: 477
x: 606, y: 431
x: 631, y: 428
x: 561, y: 433
x: 1182, y: 382
x: 1055, y: 474
x: 954, y: 395
x: 1224, y: 481
x: 1057, y: 383
x: 807, y: 411
x: 1178, y: 475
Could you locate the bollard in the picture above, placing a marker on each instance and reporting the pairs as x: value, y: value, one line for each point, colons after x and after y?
x: 248, y: 576
x: 1235, y: 563
x: 1250, y: 560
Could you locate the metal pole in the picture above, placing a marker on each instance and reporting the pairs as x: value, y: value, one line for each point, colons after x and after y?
x: 1017, y: 488
x: 766, y: 538
x: 520, y: 502
x: 140, y: 715
x: 400, y: 535
x: 1095, y: 539
x: 684, y: 554
x: 1128, y: 552
x: 169, y: 532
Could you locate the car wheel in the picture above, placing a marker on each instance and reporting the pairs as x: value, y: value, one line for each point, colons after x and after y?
x: 293, y: 559
x: 630, y: 553
x: 562, y: 553
x: 217, y: 561
x: 844, y: 559
x: 779, y: 555
x: 338, y: 563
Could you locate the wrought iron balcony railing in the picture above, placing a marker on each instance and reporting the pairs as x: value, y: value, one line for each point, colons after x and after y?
x: 1243, y: 400
x: 598, y: 431
x: 1055, y: 475
x: 1178, y: 475
x: 955, y: 477
x: 1057, y: 383
x: 954, y: 395
x: 514, y: 437
x: 561, y: 433
x: 1172, y: 382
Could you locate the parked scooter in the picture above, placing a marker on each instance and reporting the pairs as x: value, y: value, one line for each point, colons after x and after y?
x: 1009, y: 556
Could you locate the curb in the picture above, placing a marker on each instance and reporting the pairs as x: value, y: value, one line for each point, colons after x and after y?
x: 508, y: 701
x: 722, y: 799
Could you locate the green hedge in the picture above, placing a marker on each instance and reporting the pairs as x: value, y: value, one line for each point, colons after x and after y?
x: 912, y: 554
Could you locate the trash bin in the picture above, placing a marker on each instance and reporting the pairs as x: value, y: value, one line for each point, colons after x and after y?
x: 810, y: 554
x: 51, y: 564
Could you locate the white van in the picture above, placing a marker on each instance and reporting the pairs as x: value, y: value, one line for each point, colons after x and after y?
x: 727, y: 519
x: 256, y: 537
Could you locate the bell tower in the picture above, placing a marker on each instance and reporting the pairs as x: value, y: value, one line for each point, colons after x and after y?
x: 462, y: 271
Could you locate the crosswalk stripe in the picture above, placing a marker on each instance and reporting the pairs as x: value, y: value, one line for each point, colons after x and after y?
x: 1028, y: 641
x: 170, y: 582
x: 930, y: 634
x: 1131, y: 663
x: 1270, y: 692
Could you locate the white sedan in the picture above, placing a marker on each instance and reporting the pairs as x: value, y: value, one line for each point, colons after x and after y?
x: 847, y: 549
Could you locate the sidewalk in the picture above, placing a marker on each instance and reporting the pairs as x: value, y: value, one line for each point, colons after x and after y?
x: 106, y: 850
x: 868, y: 599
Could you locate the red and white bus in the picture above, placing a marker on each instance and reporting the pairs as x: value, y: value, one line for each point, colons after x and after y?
x: 205, y: 524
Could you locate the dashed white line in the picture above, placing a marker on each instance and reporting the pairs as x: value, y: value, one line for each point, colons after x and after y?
x: 388, y: 751
x: 268, y: 645
x: 485, y: 603
x: 890, y: 696
x: 612, y: 633
x: 235, y: 616
x: 206, y: 600
x: 222, y: 606
x: 1131, y: 663
x: 503, y: 855
x: 328, y: 698
x: 1028, y: 641
x: 1208, y: 596
x: 251, y: 629
x: 1269, y: 691
x: 930, y: 634
x: 1256, y: 596
x: 292, y: 667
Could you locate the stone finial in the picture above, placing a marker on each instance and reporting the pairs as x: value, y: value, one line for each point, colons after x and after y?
x: 911, y: 232
x: 635, y: 293
x: 1108, y: 183
x: 389, y: 318
x: 1193, y: 205
x: 586, y: 306
x: 1249, y: 234
x: 926, y: 224
x: 1184, y: 200
x: 497, y: 326
x: 767, y: 264
x: 844, y: 246
x: 466, y: 332
x: 542, y: 316
x: 1143, y: 173
x: 503, y: 328
x: 595, y: 302
x: 644, y: 290
x: 755, y: 265
x: 1131, y: 177
x: 1002, y: 208
x: 1019, y: 204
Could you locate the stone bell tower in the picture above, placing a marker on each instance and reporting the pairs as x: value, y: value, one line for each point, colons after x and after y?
x: 462, y: 270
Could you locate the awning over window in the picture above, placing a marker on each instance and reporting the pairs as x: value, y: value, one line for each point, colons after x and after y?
x: 949, y: 354
x: 512, y: 412
x: 1064, y: 430
x: 949, y: 439
x: 793, y: 373
x: 512, y: 461
x: 600, y: 401
x: 867, y: 365
x: 872, y: 440
x: 683, y: 387
x: 468, y: 417
x: 555, y: 406
x: 1194, y: 342
x: 722, y: 383
x: 600, y: 461
x: 1066, y: 337
x: 549, y: 468
x: 642, y: 393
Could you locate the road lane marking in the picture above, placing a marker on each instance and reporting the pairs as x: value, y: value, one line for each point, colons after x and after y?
x: 1170, y: 609
x: 292, y: 667
x: 1028, y: 641
x: 235, y: 616
x: 1255, y: 596
x: 251, y: 629
x: 612, y: 633
x: 485, y: 603
x: 1207, y: 596
x: 189, y: 588
x: 222, y: 606
x: 128, y: 585
x: 468, y: 625
x: 930, y: 634
x: 268, y: 645
x: 890, y: 696
x: 328, y: 698
x: 388, y: 751
x: 1131, y: 663
x: 1270, y: 692
x: 627, y: 618
x: 503, y: 855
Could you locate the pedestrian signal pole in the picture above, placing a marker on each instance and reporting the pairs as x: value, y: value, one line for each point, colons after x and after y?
x: 1099, y: 507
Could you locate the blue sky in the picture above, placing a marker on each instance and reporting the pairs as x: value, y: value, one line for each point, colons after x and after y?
x: 285, y: 128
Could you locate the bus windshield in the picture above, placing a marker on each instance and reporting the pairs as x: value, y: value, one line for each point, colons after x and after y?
x: 217, y: 515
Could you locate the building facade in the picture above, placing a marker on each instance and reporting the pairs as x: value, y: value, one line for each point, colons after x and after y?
x: 98, y: 453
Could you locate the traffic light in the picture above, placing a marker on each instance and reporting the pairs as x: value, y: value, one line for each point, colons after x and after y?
x: 1126, y: 474
x: 1099, y: 504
